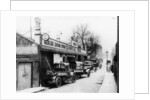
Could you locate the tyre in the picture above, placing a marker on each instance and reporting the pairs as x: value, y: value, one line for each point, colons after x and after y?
x: 79, y: 76
x: 88, y: 74
x: 74, y: 77
x: 58, y: 81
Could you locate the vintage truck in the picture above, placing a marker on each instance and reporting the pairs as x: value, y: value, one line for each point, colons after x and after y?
x: 95, y: 64
x: 82, y: 69
x: 58, y: 75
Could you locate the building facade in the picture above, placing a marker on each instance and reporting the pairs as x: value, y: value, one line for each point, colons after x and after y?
x: 34, y: 57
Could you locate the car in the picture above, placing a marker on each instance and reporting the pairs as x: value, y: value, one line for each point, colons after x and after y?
x: 95, y: 64
x: 58, y: 75
x: 88, y: 64
x: 81, y: 69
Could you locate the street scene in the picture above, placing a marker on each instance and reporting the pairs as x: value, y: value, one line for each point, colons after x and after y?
x: 87, y: 85
x: 67, y: 54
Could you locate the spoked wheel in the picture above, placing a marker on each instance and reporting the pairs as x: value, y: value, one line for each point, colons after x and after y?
x: 58, y: 81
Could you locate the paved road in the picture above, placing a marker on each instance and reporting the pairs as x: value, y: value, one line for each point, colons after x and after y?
x: 83, y: 85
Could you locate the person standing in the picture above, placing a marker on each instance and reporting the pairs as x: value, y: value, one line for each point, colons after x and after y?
x: 108, y: 66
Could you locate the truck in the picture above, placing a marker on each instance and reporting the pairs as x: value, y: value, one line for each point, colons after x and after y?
x: 58, y: 75
x: 82, y: 69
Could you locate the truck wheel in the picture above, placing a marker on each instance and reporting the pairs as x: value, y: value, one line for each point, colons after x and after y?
x: 58, y: 81
x: 75, y: 77
x: 88, y: 74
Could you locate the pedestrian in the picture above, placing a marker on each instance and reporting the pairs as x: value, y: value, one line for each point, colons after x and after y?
x: 100, y: 65
x: 108, y: 66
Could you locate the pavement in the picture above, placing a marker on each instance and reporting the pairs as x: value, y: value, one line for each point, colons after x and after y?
x: 32, y: 90
x: 109, y: 84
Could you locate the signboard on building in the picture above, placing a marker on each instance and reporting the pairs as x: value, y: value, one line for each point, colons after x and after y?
x: 61, y: 45
x: 74, y: 44
x: 27, y: 50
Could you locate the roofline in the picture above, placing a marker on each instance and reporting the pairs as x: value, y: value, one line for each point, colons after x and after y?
x: 25, y: 37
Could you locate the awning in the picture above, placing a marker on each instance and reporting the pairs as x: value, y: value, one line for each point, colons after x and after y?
x: 57, y: 50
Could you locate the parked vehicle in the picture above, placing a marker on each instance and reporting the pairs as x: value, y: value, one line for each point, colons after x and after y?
x: 58, y: 75
x: 82, y: 69
x: 100, y: 63
x: 95, y: 64
x: 88, y: 65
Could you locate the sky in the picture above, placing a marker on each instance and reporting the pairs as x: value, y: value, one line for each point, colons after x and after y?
x: 105, y: 27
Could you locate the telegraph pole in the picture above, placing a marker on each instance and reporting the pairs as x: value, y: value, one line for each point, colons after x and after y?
x: 30, y: 28
x: 117, y: 28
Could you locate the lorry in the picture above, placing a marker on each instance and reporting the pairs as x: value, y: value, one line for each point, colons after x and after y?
x: 59, y: 74
x: 82, y: 69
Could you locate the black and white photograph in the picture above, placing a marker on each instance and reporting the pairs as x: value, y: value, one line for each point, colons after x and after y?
x: 74, y: 49
x: 67, y: 54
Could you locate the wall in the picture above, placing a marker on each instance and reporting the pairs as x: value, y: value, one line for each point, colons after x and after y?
x: 35, y: 65
x: 35, y: 74
x: 27, y: 53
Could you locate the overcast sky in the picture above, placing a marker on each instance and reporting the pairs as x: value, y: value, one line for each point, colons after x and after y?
x: 103, y: 26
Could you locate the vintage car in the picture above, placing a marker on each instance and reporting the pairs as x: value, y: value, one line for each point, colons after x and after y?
x: 88, y: 65
x: 58, y: 75
x: 81, y: 69
x: 95, y: 64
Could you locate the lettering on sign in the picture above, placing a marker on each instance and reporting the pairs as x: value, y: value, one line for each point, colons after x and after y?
x: 61, y: 45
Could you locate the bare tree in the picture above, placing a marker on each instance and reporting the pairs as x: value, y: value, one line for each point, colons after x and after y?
x: 80, y: 34
x: 93, y: 45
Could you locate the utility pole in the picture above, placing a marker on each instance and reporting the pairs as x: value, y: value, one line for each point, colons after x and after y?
x: 118, y: 28
x: 30, y: 28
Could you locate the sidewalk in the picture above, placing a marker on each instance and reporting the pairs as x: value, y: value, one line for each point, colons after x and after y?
x: 109, y: 84
x: 32, y: 90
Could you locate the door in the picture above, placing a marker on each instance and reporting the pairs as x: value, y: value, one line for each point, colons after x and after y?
x: 24, y: 76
